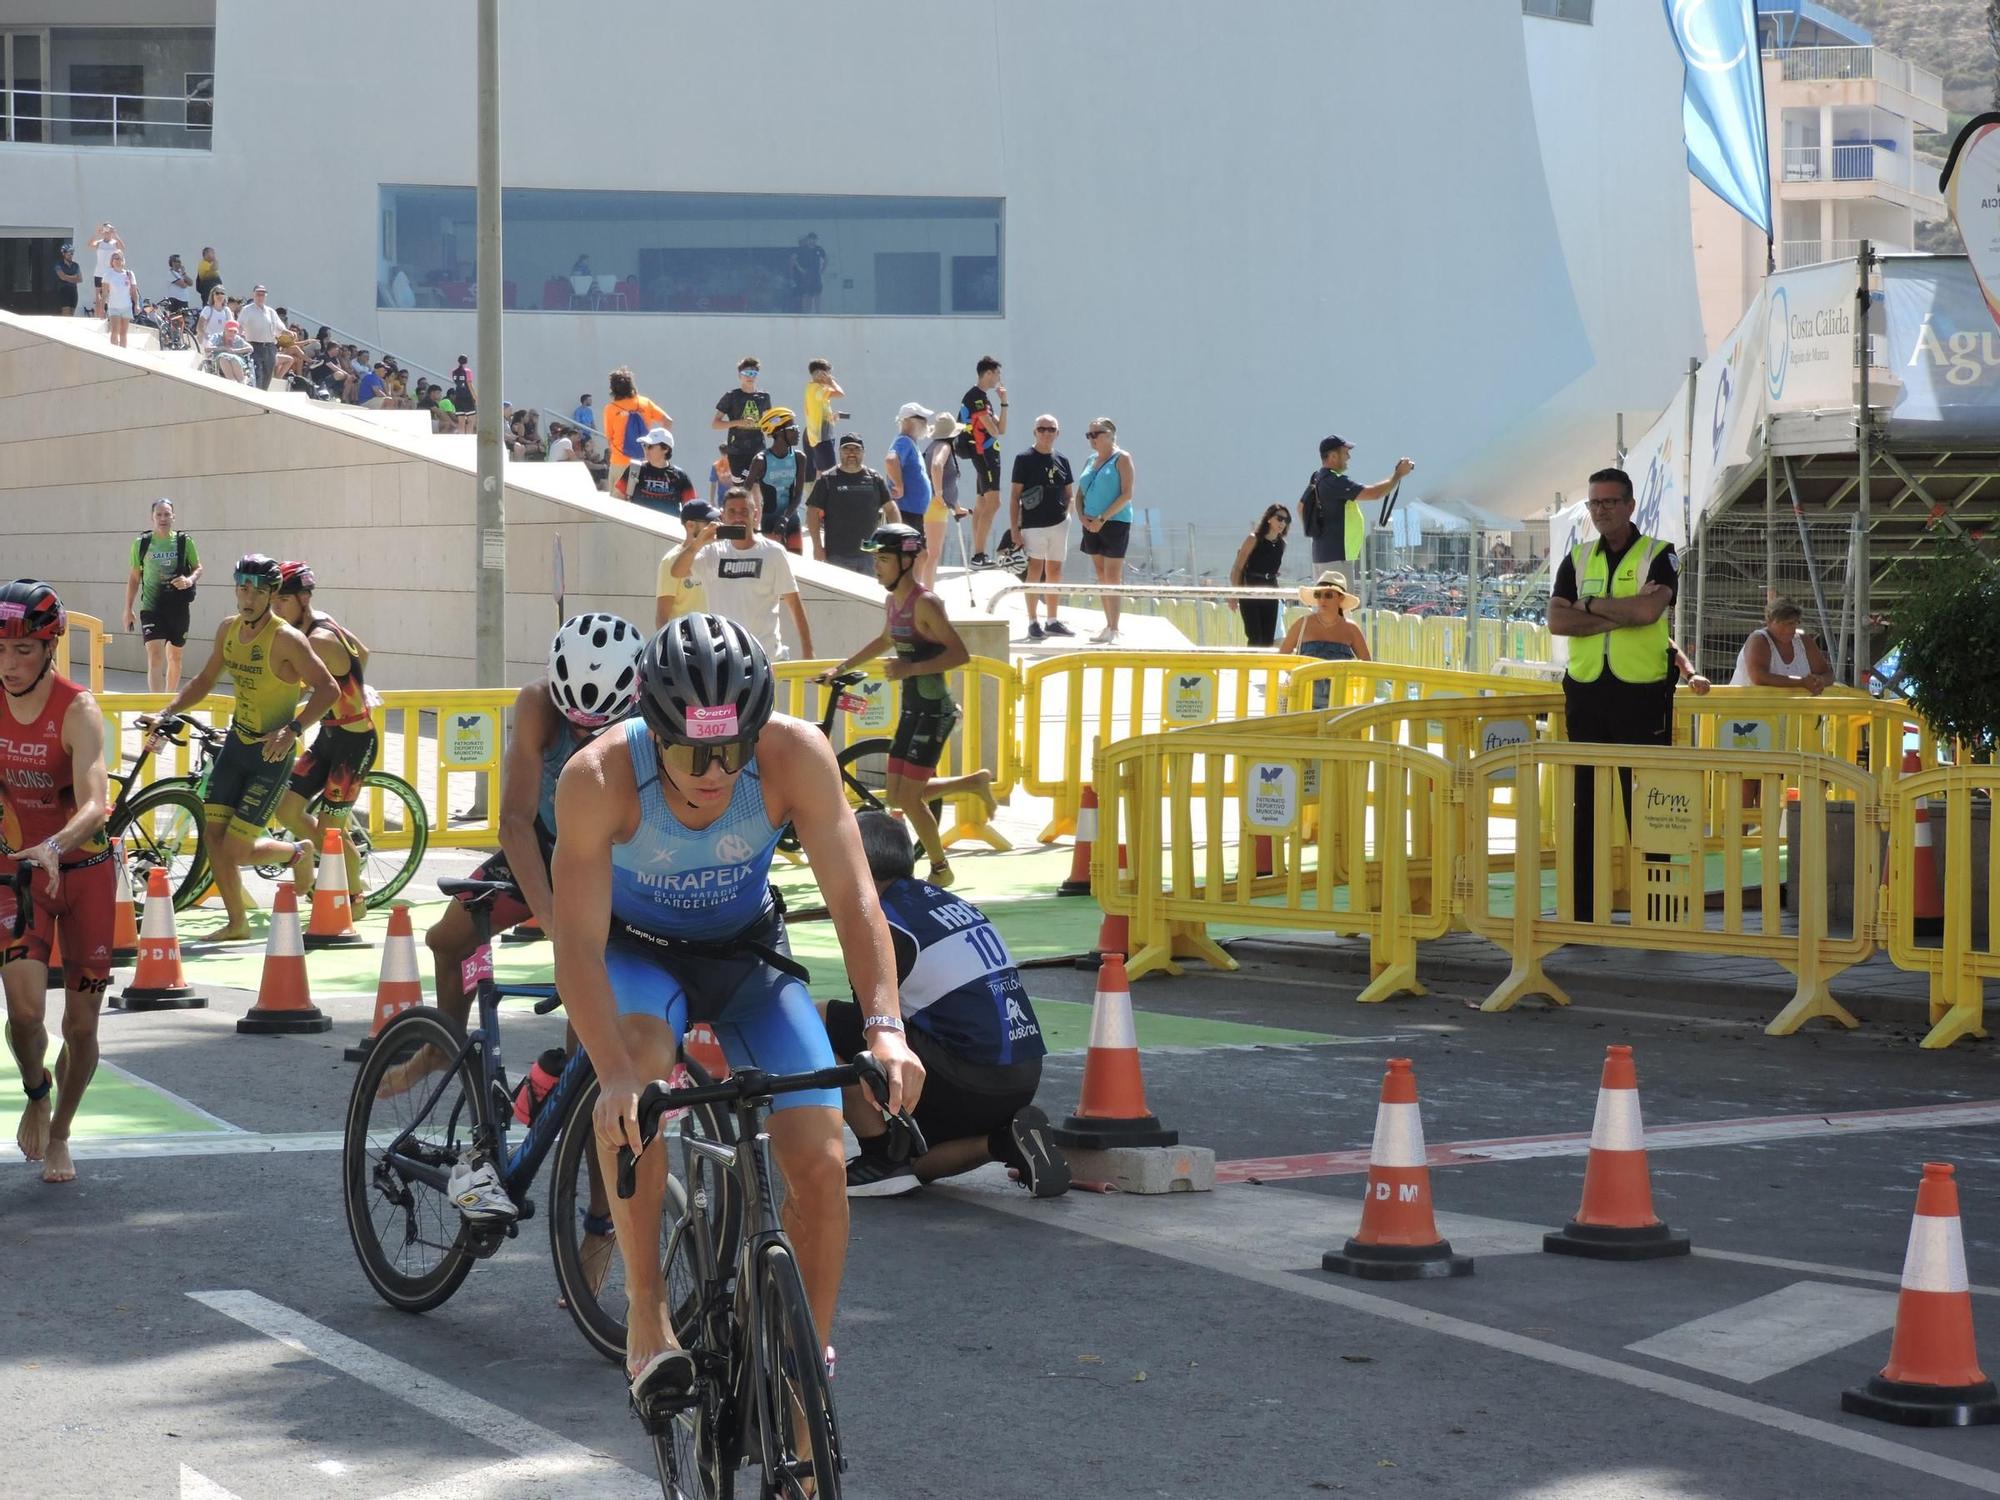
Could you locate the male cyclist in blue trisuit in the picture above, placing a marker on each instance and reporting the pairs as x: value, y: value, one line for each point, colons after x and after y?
x: 665, y: 914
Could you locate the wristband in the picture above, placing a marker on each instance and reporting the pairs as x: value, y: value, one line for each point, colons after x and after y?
x: 886, y: 1023
x: 298, y: 729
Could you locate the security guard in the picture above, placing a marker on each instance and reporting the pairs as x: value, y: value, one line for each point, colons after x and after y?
x: 1611, y: 599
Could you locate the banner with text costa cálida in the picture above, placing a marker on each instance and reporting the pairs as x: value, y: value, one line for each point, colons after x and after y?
x: 1970, y: 183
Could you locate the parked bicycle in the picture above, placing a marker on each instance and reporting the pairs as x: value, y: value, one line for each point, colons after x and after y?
x: 429, y: 1094
x: 738, y: 1302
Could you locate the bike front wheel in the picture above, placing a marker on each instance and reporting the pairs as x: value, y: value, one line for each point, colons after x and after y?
x: 391, y: 829
x: 795, y: 1419
x: 419, y: 1086
x: 161, y: 829
x: 589, y: 1269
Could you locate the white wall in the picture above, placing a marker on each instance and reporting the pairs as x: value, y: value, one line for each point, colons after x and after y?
x: 1232, y: 238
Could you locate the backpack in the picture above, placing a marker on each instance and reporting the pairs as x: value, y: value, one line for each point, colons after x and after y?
x: 1311, y: 517
x: 180, y: 557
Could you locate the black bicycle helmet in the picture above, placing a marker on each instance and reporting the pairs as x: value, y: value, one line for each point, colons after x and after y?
x: 704, y: 679
x: 264, y: 569
x: 896, y: 538
x: 30, y: 610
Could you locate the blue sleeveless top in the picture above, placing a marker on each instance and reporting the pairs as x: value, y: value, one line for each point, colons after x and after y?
x: 555, y: 756
x: 676, y: 881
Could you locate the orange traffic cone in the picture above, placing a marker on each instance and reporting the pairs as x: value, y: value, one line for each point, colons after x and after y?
x: 1933, y: 1377
x: 529, y: 931
x: 400, y: 986
x: 1266, y: 861
x: 332, y: 924
x: 1616, y: 1221
x: 1399, y: 1238
x: 701, y: 1048
x: 1114, y: 934
x: 284, y: 996
x: 157, y: 982
x: 1112, y: 1111
x: 1927, y: 898
x: 1078, y: 883
x: 124, y: 926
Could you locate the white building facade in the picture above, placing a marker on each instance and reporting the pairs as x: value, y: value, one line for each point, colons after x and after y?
x: 1456, y: 230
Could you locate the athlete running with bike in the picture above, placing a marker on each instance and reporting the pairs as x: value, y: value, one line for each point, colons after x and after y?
x: 271, y: 664
x: 665, y: 914
x: 55, y: 796
x: 346, y: 746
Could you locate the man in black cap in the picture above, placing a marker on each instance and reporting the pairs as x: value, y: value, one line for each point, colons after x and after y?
x: 1330, y: 506
x: 847, y: 503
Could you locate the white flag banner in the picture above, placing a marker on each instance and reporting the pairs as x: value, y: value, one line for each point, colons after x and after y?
x: 1728, y: 404
x: 1809, y: 338
x: 1971, y: 183
x: 1658, y: 466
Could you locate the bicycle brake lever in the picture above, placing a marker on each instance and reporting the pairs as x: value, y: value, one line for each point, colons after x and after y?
x: 628, y: 1172
x: 543, y: 1007
x: 871, y: 1074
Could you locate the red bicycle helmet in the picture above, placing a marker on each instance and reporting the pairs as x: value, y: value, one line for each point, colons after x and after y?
x: 30, y: 610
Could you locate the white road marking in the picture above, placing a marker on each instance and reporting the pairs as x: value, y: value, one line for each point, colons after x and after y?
x: 1748, y: 1132
x: 1224, y: 1232
x: 197, y: 1486
x: 543, y: 1453
x: 1771, y: 1334
x: 178, y: 1100
x: 232, y: 1142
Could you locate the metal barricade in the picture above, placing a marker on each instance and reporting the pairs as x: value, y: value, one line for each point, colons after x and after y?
x: 1959, y: 805
x: 94, y: 637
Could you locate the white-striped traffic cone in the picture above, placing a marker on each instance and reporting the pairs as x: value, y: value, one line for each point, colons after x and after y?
x: 401, y: 985
x: 1933, y: 1377
x: 1112, y: 1111
x: 1616, y: 1221
x: 157, y: 983
x: 284, y: 995
x: 332, y: 924
x: 1398, y: 1239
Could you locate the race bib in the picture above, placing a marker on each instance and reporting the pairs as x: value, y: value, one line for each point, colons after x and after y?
x: 476, y: 968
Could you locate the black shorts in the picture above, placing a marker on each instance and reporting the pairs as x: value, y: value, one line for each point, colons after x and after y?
x: 823, y: 458
x: 921, y: 733
x: 167, y: 620
x: 335, y: 764
x: 986, y: 471
x: 245, y: 784
x: 961, y: 1100
x: 1110, y: 540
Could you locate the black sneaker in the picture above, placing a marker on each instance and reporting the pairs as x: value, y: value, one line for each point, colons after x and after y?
x: 981, y: 560
x: 1057, y: 627
x: 1043, y: 1169
x: 872, y: 1176
x: 1035, y: 631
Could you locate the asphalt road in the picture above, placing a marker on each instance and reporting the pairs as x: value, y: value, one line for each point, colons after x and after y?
x: 194, y: 1324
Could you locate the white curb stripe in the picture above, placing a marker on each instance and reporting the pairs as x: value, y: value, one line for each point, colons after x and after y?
x: 1111, y: 1021
x: 1617, y: 1126
x: 1399, y: 1137
x: 1935, y: 1261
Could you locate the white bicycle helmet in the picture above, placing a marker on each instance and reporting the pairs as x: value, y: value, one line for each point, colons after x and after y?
x: 594, y: 669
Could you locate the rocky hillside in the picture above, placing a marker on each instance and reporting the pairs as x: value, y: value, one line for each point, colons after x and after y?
x: 1946, y: 36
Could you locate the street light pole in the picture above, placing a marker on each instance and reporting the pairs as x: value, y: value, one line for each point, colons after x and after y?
x: 490, y: 560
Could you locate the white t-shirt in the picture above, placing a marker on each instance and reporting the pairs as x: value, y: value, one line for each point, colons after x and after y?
x: 560, y: 449
x: 209, y: 324
x: 260, y: 325
x: 748, y: 585
x: 105, y: 250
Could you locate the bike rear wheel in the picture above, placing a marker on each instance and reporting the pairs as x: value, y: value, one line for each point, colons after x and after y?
x: 864, y: 778
x: 388, y: 829
x: 795, y: 1420
x: 414, y: 1247
x: 600, y: 1313
x: 161, y: 829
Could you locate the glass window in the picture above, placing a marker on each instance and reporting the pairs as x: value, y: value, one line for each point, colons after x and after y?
x: 755, y: 253
x: 132, y: 85
x: 1558, y: 10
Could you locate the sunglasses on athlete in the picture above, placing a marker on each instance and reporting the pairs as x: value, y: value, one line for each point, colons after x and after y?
x: 255, y: 581
x: 694, y: 760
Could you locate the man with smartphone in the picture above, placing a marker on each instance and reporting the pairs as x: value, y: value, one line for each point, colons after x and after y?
x: 745, y: 577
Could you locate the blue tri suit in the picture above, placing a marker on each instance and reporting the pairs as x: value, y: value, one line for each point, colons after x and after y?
x: 697, y: 933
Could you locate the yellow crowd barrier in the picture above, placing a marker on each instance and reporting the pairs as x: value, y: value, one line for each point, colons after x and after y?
x: 1347, y: 869
x: 988, y: 694
x: 1070, y: 701
x: 1960, y: 802
x: 1352, y: 683
x: 91, y: 629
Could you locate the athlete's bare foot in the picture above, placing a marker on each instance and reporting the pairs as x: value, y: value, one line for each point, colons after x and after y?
x: 57, y: 1166
x: 407, y: 1074
x: 235, y: 932
x: 33, y: 1136
x: 984, y: 791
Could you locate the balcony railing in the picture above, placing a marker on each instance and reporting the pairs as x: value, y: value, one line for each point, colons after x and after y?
x: 48, y: 117
x: 1795, y: 253
x: 1850, y: 161
x: 1838, y: 64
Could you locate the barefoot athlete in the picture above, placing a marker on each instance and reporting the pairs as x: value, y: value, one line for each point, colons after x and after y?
x: 270, y: 663
x: 54, y: 792
x: 926, y: 648
x: 665, y: 914
x: 345, y: 748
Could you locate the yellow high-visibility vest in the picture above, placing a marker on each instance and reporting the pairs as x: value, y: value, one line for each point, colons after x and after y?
x: 1638, y: 652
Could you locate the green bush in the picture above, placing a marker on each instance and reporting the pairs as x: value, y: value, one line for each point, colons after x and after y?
x: 1948, y: 631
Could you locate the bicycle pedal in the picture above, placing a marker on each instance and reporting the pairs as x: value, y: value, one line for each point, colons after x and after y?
x: 657, y: 1414
x: 527, y: 1207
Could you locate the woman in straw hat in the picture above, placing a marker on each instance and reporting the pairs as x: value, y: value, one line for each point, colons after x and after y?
x: 1325, y: 633
x: 941, y: 458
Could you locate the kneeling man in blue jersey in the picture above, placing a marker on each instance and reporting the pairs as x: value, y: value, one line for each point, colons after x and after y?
x: 971, y: 1025
x: 665, y: 915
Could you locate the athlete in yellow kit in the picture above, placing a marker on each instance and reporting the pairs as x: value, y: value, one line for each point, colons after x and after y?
x: 271, y: 664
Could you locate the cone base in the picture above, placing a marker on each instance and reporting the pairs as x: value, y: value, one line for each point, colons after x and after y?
x: 1095, y: 1133
x: 182, y: 998
x: 261, y: 1022
x: 1073, y: 888
x: 315, y: 941
x: 1927, y: 926
x: 1924, y: 1405
x: 516, y: 936
x: 1396, y: 1262
x: 359, y: 1051
x: 1604, y: 1242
